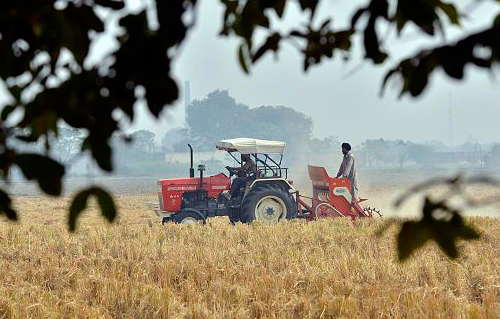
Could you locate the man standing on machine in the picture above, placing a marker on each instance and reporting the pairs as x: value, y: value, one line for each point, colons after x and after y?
x: 348, y: 170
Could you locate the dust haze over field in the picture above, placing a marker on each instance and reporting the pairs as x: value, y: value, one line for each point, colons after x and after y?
x: 381, y: 188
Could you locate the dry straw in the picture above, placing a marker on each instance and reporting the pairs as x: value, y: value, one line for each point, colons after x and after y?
x: 137, y: 268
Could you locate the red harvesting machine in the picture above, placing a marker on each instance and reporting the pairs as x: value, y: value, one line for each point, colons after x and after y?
x: 332, y: 197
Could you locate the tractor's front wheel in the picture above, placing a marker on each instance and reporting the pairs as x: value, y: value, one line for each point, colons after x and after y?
x: 188, y: 216
x: 268, y: 203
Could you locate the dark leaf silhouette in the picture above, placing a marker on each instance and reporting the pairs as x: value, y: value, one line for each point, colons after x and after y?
x: 377, y: 9
x: 414, y: 72
x: 270, y: 44
x: 412, y: 236
x: 309, y: 5
x: 80, y: 201
x: 45, y: 171
x: 424, y: 14
x: 113, y: 4
x: 5, y: 206
x: 440, y: 222
x: 279, y: 7
x: 242, y: 59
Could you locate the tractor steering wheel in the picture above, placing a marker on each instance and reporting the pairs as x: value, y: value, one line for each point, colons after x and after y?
x: 232, y: 170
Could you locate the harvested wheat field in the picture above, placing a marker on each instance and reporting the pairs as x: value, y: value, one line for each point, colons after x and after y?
x: 137, y: 268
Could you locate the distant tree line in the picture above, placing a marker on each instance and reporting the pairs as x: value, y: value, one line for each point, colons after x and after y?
x: 219, y: 116
x: 65, y: 145
x: 378, y: 153
x: 141, y: 152
x: 136, y: 153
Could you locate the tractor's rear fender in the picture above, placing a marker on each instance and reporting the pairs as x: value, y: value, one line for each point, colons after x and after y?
x: 273, y: 181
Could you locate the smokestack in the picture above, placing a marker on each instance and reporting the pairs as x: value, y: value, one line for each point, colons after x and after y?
x: 187, y: 100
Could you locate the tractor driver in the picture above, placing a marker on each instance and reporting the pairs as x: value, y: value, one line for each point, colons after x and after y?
x: 242, y: 173
x: 348, y: 170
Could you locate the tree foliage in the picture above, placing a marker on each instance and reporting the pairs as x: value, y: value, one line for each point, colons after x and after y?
x: 493, y: 158
x: 44, y: 47
x: 421, y: 154
x: 219, y: 116
x: 143, y: 142
x: 216, y: 117
x: 172, y: 137
x: 318, y: 40
x: 376, y: 151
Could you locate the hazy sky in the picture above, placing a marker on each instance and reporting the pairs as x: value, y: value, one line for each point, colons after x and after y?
x: 348, y: 107
x: 345, y: 106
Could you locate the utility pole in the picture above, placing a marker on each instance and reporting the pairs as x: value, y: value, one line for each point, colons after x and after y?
x: 480, y: 152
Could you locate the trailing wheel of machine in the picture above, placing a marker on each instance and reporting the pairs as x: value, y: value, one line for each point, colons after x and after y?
x: 188, y: 216
x: 269, y: 203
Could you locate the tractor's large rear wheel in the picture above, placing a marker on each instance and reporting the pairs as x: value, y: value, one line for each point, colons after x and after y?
x: 269, y: 203
x: 188, y: 216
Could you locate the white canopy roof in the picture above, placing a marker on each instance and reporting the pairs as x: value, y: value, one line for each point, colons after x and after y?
x: 250, y: 146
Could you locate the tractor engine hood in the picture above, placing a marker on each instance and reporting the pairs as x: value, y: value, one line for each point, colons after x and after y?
x: 171, y: 189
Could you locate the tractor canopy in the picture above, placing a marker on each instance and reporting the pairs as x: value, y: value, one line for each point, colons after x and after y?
x: 267, y: 155
x: 251, y: 146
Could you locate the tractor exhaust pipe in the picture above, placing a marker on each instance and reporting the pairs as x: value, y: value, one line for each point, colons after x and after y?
x: 191, y: 168
x: 201, y: 168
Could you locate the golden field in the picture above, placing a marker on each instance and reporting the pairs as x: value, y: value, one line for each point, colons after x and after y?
x: 137, y: 268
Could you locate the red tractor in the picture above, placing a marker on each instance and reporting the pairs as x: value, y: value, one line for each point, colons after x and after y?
x: 261, y: 190
x: 260, y: 193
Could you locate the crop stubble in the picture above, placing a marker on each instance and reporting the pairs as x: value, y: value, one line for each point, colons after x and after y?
x: 137, y: 268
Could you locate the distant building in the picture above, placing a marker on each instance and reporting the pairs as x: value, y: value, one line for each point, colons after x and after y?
x: 456, y: 157
x: 198, y: 157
